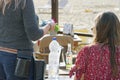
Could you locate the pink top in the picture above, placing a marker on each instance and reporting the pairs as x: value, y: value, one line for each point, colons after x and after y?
x: 94, y: 62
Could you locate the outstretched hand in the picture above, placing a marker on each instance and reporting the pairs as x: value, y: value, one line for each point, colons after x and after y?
x: 52, y: 26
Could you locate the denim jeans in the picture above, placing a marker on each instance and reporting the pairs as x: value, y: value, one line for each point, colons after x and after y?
x: 7, y: 67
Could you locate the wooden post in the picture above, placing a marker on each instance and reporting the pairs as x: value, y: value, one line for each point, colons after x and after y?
x: 55, y: 10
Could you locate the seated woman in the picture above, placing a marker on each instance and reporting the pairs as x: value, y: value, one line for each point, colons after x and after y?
x: 101, y: 59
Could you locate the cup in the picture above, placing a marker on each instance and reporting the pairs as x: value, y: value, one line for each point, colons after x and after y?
x: 68, y: 29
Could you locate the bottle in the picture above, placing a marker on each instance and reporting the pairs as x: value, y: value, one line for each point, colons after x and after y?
x: 69, y: 57
x: 54, y: 56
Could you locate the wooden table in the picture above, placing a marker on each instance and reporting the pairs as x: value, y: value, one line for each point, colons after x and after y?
x: 76, y: 40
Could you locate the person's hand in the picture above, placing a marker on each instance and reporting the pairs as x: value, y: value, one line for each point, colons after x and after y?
x: 49, y: 27
x: 52, y: 26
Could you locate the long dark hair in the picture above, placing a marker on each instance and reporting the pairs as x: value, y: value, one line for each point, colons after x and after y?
x: 4, y: 3
x: 108, y: 32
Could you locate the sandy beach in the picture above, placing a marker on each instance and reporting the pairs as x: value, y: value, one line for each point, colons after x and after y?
x: 80, y: 13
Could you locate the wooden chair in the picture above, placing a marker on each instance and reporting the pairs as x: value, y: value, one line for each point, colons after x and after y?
x: 44, y: 46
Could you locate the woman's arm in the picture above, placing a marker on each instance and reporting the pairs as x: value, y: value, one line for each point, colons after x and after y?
x: 31, y: 24
x: 74, y: 77
x: 80, y: 64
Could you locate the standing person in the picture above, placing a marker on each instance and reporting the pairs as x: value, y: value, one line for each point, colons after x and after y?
x: 101, y: 59
x: 18, y: 27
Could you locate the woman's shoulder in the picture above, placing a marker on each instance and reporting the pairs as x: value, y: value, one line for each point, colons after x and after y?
x: 92, y: 46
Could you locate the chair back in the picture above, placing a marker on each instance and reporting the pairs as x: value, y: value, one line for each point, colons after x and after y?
x: 44, y: 46
x: 62, y: 40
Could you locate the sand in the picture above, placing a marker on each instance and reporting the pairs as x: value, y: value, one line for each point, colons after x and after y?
x: 80, y: 13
